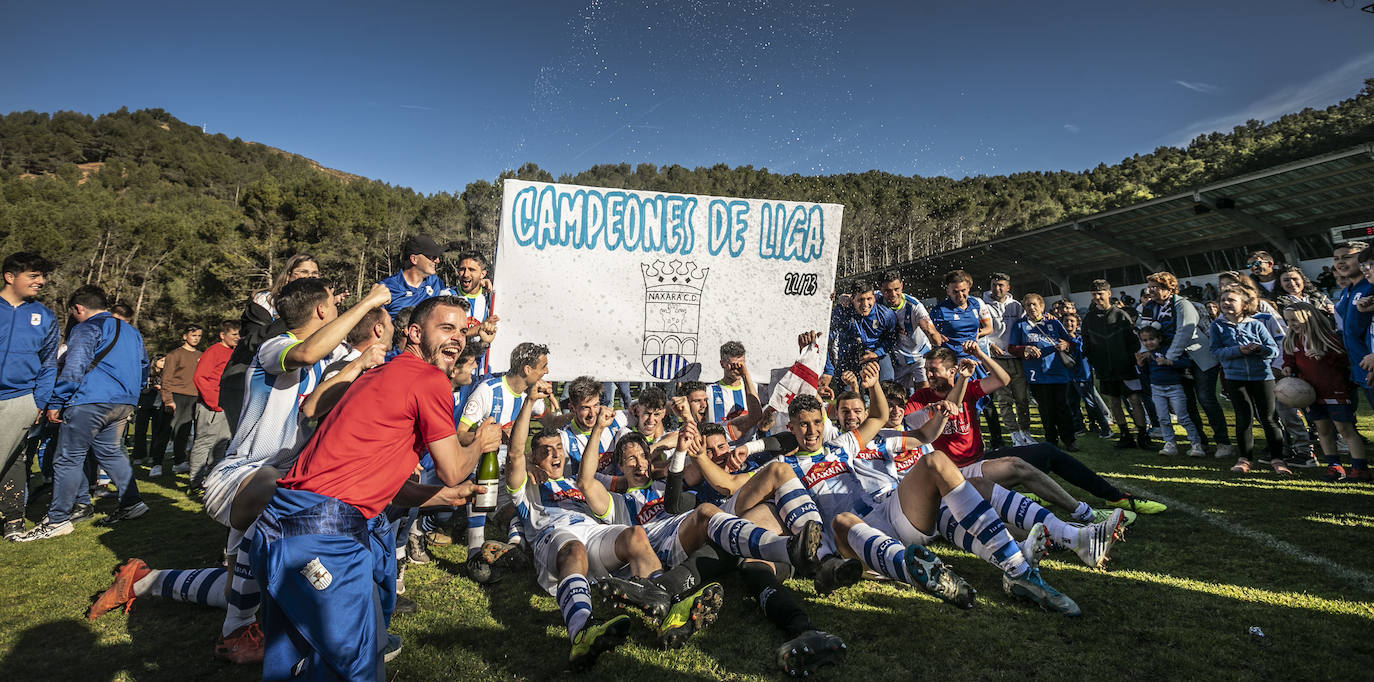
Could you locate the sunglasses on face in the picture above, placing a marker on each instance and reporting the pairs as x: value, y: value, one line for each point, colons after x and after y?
x: 1257, y: 263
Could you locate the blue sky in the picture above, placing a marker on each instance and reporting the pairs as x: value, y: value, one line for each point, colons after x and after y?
x: 435, y: 95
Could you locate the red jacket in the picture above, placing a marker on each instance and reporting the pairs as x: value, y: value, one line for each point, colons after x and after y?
x: 1329, y: 374
x: 208, y: 371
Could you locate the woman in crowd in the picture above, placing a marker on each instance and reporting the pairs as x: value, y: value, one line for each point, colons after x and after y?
x: 1296, y: 288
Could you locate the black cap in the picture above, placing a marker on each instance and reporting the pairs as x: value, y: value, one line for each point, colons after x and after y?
x: 422, y: 244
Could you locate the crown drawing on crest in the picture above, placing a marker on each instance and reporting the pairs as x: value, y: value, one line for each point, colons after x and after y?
x: 674, y: 274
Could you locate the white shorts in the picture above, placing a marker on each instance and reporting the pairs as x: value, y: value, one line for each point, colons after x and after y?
x: 666, y: 543
x: 598, y: 538
x: 974, y: 470
x: 909, y: 375
x: 889, y: 519
x: 222, y: 483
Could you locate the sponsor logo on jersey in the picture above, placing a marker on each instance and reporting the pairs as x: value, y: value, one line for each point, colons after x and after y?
x: 821, y: 471
x: 869, y: 454
x: 567, y: 494
x: 649, y: 511
x: 906, y: 459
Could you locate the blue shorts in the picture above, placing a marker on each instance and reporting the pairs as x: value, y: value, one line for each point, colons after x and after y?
x: 328, y: 579
x: 1336, y: 412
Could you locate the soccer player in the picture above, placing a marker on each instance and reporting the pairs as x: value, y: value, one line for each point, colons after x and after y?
x: 285, y: 369
x: 322, y: 545
x: 573, y: 544
x: 735, y: 394
x: 418, y: 277
x: 858, y: 327
x: 584, y: 404
x: 693, y: 402
x: 875, y: 529
x: 29, y: 360
x: 962, y: 443
x: 908, y: 360
x: 647, y: 416
x: 500, y: 398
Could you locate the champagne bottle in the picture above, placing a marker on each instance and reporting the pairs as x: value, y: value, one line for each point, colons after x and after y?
x: 489, y: 475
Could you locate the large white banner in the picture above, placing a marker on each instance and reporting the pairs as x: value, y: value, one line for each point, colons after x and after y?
x: 632, y: 285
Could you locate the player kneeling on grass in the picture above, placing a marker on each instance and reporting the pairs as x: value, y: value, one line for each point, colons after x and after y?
x: 865, y: 527
x: 322, y: 549
x: 572, y: 543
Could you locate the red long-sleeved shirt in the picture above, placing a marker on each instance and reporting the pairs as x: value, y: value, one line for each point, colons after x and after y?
x: 208, y: 371
x: 1329, y: 375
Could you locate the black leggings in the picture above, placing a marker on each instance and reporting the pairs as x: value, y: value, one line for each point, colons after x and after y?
x: 1254, y: 400
x: 1050, y: 459
x: 1055, y: 416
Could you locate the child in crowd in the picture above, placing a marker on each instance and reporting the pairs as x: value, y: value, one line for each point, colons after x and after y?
x: 1313, y: 352
x: 1166, y: 377
x: 1245, y: 349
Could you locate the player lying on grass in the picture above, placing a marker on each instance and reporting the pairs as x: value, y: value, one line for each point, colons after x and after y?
x: 573, y: 545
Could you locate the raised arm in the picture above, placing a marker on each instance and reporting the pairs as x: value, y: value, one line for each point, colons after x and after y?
x: 598, y: 498
x: 327, y: 394
x: 877, y: 404
x: 997, y: 377
x: 320, y: 344
x: 520, y: 435
x: 753, y: 407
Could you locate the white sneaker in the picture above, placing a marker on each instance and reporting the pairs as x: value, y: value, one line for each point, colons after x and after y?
x: 182, y: 468
x: 1169, y: 450
x: 1196, y: 451
x: 155, y: 472
x: 1225, y: 450
x: 46, y: 530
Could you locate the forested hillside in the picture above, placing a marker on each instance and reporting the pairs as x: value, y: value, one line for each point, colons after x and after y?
x: 182, y: 225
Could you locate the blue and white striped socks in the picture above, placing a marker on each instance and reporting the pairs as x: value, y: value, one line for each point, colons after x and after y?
x: 244, y: 594
x: 575, y: 601
x: 1022, y: 512
x: 203, y: 586
x: 989, y: 538
x: 879, y: 552
x: 743, y: 539
x: 795, y: 506
x: 477, y: 531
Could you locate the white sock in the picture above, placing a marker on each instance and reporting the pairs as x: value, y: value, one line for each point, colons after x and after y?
x: 1083, y: 513
x: 991, y: 541
x: 879, y: 552
x: 477, y: 528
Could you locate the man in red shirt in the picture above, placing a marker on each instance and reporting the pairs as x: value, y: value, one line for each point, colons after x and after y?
x: 212, y: 429
x: 1022, y: 466
x: 323, y: 549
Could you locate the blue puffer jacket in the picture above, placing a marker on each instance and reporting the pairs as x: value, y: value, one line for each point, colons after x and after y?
x: 1228, y: 337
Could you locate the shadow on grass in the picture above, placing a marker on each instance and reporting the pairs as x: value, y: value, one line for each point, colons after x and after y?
x: 159, y: 638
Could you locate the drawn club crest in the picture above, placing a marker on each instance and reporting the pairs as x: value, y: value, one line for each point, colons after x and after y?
x: 672, y: 313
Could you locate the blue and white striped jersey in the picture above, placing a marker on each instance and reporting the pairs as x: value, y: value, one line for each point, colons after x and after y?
x: 727, y: 401
x: 555, y: 502
x: 912, y: 343
x: 575, y: 442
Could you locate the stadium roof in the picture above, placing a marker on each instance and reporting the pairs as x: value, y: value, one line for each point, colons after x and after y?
x: 1278, y: 207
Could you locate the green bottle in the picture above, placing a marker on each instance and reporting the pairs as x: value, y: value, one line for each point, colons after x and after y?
x: 489, y: 475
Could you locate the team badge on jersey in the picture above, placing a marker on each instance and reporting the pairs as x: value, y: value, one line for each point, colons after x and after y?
x: 672, y: 315
x: 36, y: 319
x: 317, y: 574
